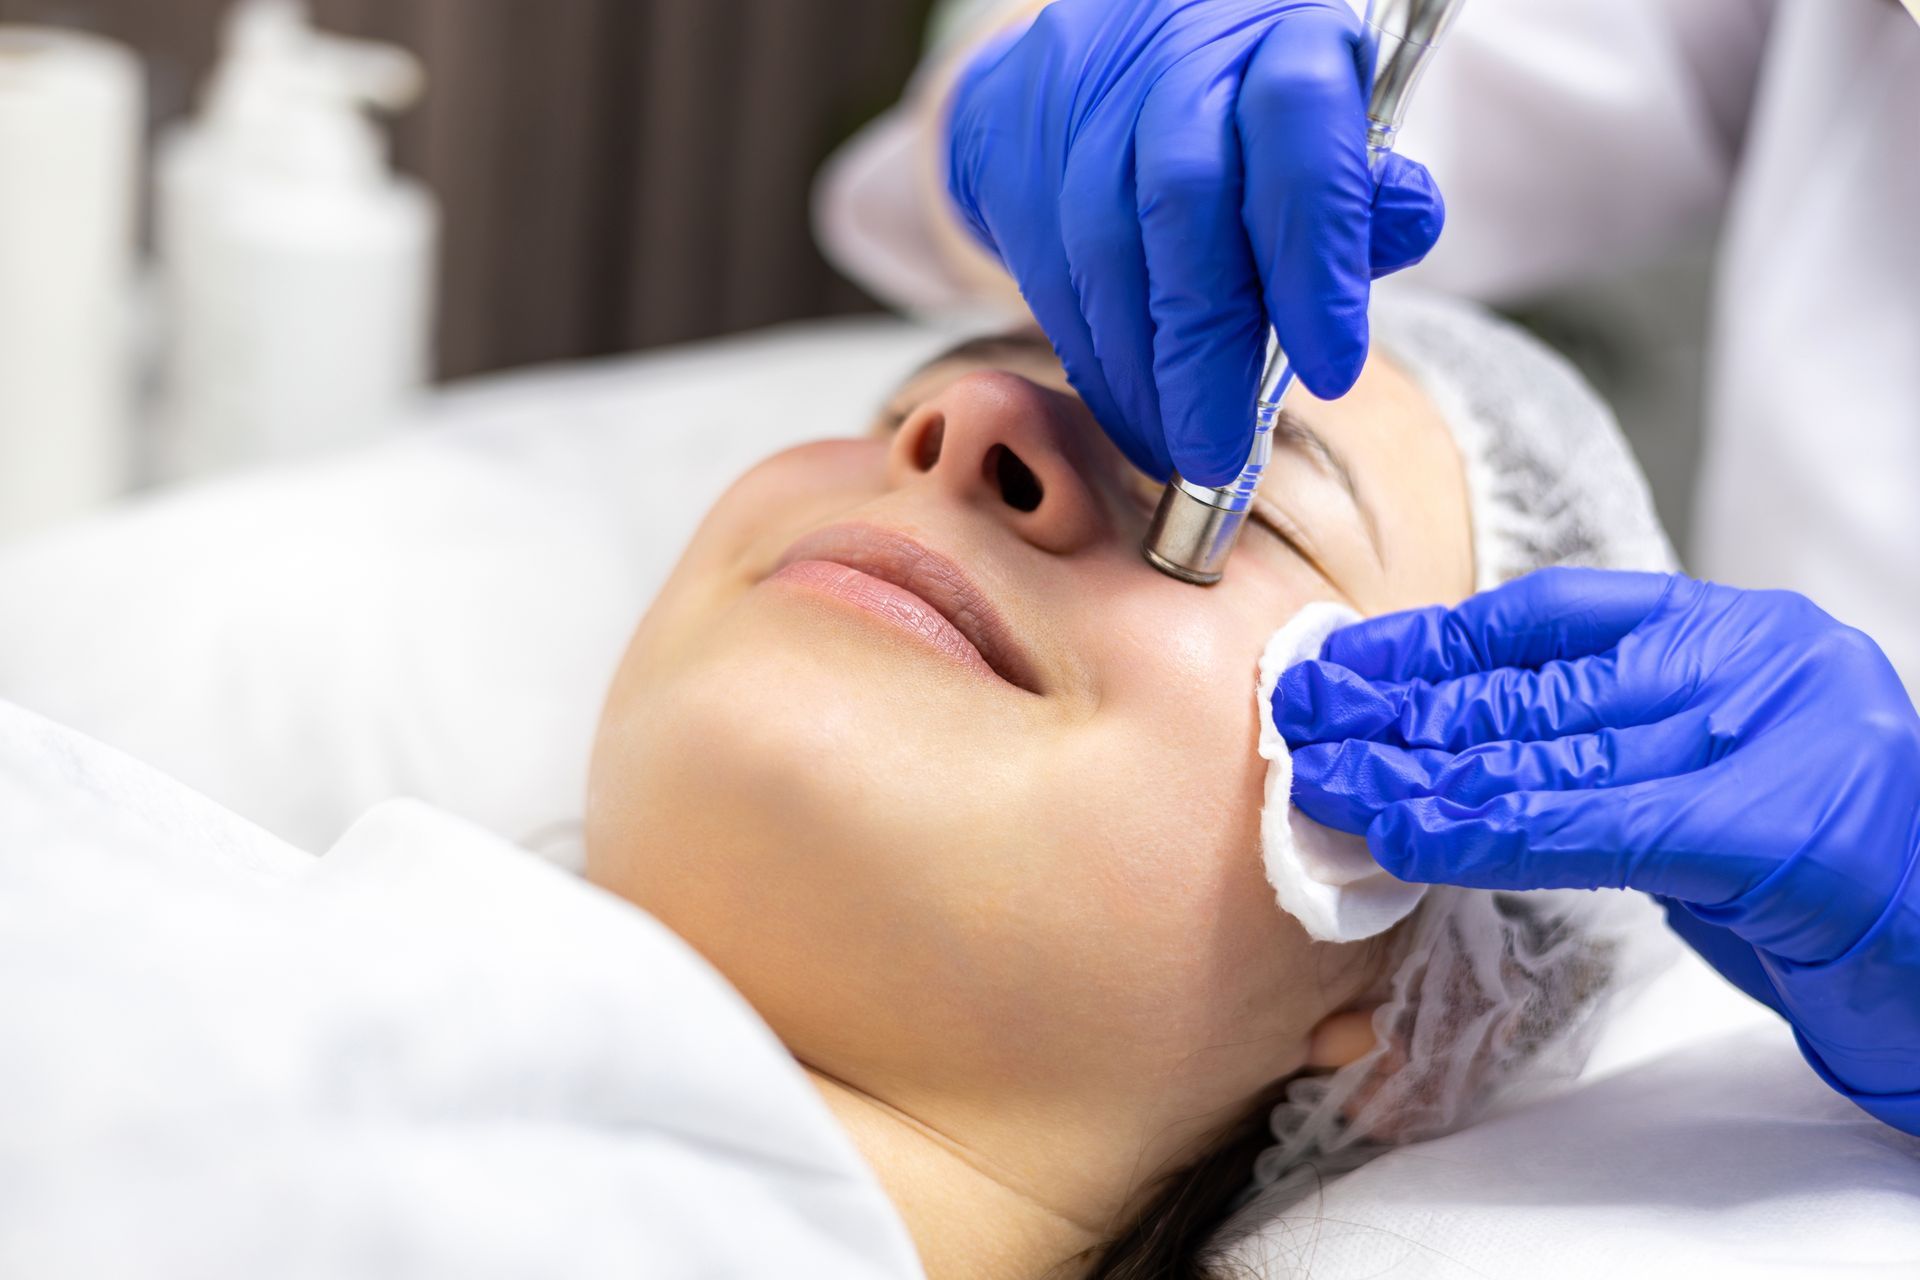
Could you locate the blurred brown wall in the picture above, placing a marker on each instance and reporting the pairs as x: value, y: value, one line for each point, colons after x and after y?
x: 614, y: 174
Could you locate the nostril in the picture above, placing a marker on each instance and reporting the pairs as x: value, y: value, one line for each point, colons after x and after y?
x: 1019, y: 487
x: 926, y: 450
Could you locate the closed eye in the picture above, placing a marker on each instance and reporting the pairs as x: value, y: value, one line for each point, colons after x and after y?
x: 1263, y: 514
x: 1274, y: 521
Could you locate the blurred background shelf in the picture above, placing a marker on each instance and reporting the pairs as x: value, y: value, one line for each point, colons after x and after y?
x: 615, y: 174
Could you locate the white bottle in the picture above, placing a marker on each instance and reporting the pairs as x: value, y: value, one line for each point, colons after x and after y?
x: 70, y: 127
x: 296, y: 269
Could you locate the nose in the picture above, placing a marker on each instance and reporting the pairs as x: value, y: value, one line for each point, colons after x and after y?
x: 1009, y: 447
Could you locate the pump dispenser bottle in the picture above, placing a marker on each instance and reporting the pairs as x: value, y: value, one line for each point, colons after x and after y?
x: 296, y: 270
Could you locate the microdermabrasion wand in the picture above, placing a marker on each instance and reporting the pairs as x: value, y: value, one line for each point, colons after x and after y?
x: 1194, y: 528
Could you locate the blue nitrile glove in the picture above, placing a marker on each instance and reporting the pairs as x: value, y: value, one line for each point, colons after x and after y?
x: 1164, y: 179
x: 1739, y: 754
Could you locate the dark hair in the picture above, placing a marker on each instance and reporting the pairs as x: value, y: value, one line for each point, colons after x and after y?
x: 1169, y: 1239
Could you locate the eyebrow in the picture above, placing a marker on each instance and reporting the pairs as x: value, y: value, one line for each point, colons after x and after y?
x: 1291, y: 431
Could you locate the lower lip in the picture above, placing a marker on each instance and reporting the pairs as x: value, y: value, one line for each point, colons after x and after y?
x: 893, y: 605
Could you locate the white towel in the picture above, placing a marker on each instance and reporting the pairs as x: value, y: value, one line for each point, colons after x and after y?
x: 426, y: 1053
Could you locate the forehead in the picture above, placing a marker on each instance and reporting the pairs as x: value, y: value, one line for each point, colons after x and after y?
x: 1406, y: 463
x: 1403, y: 538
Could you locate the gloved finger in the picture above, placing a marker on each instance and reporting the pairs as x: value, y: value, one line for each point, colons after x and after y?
x: 1049, y: 295
x: 1348, y: 784
x: 1322, y: 702
x: 1549, y: 614
x: 1101, y: 234
x: 1732, y: 956
x: 1629, y: 837
x: 1309, y: 206
x: 1208, y: 322
x: 988, y: 195
x: 1408, y: 215
x: 966, y: 136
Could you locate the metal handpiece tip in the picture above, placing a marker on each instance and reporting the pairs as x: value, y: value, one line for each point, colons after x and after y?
x: 1192, y: 534
x: 1180, y: 571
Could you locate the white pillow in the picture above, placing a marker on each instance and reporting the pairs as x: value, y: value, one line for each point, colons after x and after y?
x: 435, y: 616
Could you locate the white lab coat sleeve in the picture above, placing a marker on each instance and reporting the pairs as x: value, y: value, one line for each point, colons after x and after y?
x: 873, y: 218
x: 1567, y: 136
x: 877, y: 207
x: 1570, y: 136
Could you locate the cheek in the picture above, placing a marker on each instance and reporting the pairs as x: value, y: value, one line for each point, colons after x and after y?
x: 1165, y: 902
x: 1166, y: 790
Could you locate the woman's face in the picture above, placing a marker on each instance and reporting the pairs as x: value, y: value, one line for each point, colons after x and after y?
x: 918, y: 750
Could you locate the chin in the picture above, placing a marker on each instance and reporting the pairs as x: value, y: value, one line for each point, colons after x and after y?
x: 746, y: 801
x: 840, y: 822
x: 766, y: 748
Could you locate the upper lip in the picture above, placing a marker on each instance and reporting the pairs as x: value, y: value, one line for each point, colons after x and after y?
x: 894, y: 557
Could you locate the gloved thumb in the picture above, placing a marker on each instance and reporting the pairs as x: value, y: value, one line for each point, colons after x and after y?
x: 1408, y: 215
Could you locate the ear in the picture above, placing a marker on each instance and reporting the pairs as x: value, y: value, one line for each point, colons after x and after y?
x: 1341, y: 1038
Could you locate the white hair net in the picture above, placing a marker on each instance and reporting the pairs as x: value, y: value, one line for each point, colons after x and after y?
x: 1492, y: 996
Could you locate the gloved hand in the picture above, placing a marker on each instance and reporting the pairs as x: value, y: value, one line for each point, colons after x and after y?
x: 1164, y: 178
x: 1739, y: 754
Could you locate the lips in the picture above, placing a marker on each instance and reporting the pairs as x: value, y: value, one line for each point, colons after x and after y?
x: 913, y: 587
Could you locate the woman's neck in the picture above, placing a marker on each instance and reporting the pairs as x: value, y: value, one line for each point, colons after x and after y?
x: 968, y: 1215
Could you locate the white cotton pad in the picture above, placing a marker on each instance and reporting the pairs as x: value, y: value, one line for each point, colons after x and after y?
x: 1323, y: 878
